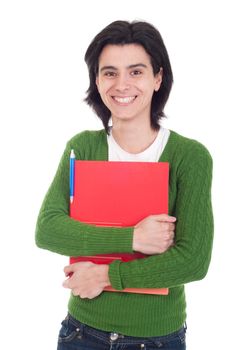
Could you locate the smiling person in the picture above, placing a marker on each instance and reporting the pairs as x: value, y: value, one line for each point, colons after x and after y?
x: 130, y: 81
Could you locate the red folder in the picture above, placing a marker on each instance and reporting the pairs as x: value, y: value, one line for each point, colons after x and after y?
x: 119, y: 194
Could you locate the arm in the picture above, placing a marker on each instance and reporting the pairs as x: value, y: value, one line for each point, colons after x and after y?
x: 152, y: 235
x: 57, y: 232
x: 189, y: 258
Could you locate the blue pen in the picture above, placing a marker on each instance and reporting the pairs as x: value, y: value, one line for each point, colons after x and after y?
x: 72, y: 171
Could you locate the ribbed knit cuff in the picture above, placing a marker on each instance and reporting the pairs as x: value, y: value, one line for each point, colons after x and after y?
x: 114, y: 275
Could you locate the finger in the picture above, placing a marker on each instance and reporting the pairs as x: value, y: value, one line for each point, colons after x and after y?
x: 70, y: 283
x: 166, y: 245
x: 68, y: 269
x: 66, y: 283
x: 165, y: 217
x: 168, y: 236
x: 171, y: 227
x: 75, y: 292
x: 165, y: 226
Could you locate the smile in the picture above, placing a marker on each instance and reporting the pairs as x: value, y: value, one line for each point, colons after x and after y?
x: 124, y: 100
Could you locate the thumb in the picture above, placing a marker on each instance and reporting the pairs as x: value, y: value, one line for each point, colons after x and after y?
x: 165, y: 218
x: 68, y: 269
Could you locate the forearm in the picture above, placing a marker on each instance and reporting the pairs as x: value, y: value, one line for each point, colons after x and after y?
x: 175, y: 267
x: 188, y: 260
x: 57, y: 232
x: 61, y: 234
x: 87, y: 280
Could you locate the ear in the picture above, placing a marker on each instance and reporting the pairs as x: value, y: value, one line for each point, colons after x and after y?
x: 97, y: 82
x: 158, y: 79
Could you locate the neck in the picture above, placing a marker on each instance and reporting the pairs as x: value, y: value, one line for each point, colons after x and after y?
x: 134, y: 138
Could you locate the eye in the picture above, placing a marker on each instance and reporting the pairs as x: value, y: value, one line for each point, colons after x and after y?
x: 136, y: 72
x: 109, y: 74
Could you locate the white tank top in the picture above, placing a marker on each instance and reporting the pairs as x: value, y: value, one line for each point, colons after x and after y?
x: 151, y: 154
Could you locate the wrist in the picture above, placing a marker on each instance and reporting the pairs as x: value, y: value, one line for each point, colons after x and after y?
x: 104, y: 274
x: 135, y: 245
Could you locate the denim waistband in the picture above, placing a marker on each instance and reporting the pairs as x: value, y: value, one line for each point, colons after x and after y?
x: 110, y: 337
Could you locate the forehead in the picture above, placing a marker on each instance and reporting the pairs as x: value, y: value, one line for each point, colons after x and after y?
x: 123, y: 55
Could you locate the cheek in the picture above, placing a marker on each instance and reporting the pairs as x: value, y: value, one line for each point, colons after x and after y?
x: 147, y: 91
x: 146, y: 87
x: 104, y: 89
x: 104, y: 96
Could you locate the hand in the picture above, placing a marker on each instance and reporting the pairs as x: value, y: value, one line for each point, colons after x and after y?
x: 87, y: 280
x: 154, y: 234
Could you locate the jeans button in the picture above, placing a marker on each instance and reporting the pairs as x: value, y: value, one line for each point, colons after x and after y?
x: 113, y: 336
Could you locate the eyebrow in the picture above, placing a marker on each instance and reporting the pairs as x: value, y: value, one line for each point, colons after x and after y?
x: 128, y: 67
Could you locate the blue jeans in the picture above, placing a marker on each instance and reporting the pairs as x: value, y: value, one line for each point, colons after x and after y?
x: 75, y: 335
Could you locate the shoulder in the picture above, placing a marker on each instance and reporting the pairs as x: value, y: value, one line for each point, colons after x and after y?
x: 189, y: 149
x: 87, y: 136
x: 86, y: 142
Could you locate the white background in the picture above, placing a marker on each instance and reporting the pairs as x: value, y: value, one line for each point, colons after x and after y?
x: 43, y: 80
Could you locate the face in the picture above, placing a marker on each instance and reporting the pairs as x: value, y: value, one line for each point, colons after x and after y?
x: 126, y: 81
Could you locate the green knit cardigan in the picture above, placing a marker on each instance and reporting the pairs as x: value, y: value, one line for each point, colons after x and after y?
x: 188, y: 260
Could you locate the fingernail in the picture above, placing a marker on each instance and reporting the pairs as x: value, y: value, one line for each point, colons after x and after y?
x: 65, y: 283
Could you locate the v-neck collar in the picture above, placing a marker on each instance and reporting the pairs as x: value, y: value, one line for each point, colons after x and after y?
x: 165, y: 156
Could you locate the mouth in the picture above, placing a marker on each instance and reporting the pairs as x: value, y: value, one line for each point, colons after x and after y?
x: 124, y: 100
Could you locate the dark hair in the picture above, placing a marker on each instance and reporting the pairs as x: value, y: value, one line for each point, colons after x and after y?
x: 121, y: 33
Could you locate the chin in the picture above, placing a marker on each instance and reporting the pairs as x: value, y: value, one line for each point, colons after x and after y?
x: 124, y: 117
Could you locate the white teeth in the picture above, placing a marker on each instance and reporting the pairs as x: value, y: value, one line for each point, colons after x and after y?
x: 124, y: 99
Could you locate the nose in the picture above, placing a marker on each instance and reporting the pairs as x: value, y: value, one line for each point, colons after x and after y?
x: 122, y: 83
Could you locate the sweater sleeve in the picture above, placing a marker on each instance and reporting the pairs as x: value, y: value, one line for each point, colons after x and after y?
x: 189, y: 258
x: 57, y: 232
